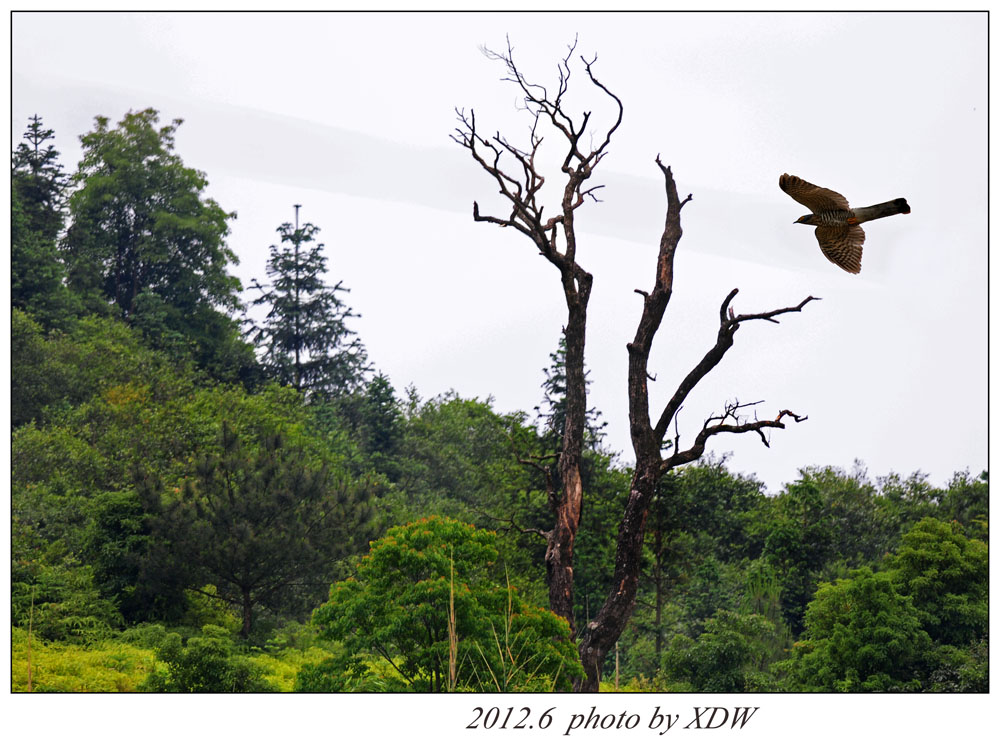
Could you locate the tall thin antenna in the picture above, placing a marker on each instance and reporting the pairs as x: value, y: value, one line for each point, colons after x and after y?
x: 297, y: 207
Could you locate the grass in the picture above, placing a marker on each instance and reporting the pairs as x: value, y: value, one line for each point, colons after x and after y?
x: 102, y: 667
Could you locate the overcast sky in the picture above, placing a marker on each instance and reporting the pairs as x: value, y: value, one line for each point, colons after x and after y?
x: 350, y: 116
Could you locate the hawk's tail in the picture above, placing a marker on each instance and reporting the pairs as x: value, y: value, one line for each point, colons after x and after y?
x: 878, y: 211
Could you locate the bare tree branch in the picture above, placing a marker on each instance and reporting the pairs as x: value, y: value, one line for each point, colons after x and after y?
x: 648, y: 441
x: 514, y: 170
x: 717, y: 424
x: 728, y: 325
x: 512, y: 524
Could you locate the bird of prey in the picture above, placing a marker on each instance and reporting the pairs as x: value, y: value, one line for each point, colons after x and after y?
x: 837, y: 225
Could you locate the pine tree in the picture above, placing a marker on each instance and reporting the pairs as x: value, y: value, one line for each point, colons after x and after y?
x: 39, y: 181
x: 553, y: 418
x: 305, y: 337
x: 266, y: 527
x: 38, y: 186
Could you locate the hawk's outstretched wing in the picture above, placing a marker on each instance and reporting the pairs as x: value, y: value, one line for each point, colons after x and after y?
x: 842, y: 245
x: 812, y: 197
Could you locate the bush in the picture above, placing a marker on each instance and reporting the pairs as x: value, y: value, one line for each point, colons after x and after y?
x: 206, y: 664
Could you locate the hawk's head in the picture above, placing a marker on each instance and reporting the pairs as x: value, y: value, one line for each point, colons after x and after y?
x: 807, y: 219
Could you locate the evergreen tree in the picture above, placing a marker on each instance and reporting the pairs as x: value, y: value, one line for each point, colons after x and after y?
x: 38, y: 187
x: 39, y: 182
x: 36, y: 273
x: 266, y: 529
x: 553, y: 417
x: 305, y: 337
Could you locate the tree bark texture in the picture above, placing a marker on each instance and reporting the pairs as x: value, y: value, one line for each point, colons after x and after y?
x: 514, y: 172
x: 600, y: 635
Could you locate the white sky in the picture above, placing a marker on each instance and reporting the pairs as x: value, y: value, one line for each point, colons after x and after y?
x: 350, y: 114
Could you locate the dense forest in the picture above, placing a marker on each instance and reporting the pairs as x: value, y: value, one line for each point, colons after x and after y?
x: 201, y: 502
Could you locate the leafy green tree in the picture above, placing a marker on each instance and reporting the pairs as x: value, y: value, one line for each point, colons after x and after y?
x: 373, y: 417
x: 146, y: 241
x: 305, y: 337
x: 381, y: 423
x: 960, y: 669
x: 708, y: 498
x: 54, y: 592
x: 861, y: 530
x: 947, y: 576
x: 906, y: 501
x: 799, y: 542
x: 967, y: 501
x: 861, y: 635
x: 726, y: 658
x: 209, y: 663
x: 118, y: 544
x: 266, y: 529
x: 432, y: 582
x: 455, y: 456
x: 58, y: 370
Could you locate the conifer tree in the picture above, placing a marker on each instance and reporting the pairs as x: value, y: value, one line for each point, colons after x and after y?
x: 38, y: 180
x: 552, y: 411
x: 38, y: 187
x: 266, y: 527
x: 305, y: 337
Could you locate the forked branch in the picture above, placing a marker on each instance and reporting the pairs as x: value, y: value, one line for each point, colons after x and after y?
x: 729, y: 323
x: 515, y: 171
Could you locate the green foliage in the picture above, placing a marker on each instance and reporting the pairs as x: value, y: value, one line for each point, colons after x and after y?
x: 36, y: 274
x: 552, y: 411
x: 144, y: 240
x: 606, y: 486
x: 261, y: 527
x: 118, y: 548
x: 380, y: 427
x: 946, y: 575
x: 967, y: 501
x: 209, y: 663
x: 456, y: 452
x: 38, y: 181
x: 798, y: 544
x: 106, y: 666
x: 54, y: 593
x: 397, y: 607
x: 861, y: 635
x: 55, y: 371
x: 38, y: 192
x: 728, y: 657
x: 960, y: 669
x: 305, y: 337
x: 373, y: 418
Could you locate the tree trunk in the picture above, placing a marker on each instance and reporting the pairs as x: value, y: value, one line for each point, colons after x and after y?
x: 567, y: 505
x: 658, y: 587
x: 247, y: 614
x: 607, y: 626
x: 647, y: 439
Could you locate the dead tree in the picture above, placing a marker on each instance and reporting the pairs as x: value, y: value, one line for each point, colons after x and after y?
x: 649, y: 439
x: 555, y: 239
x: 516, y: 174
